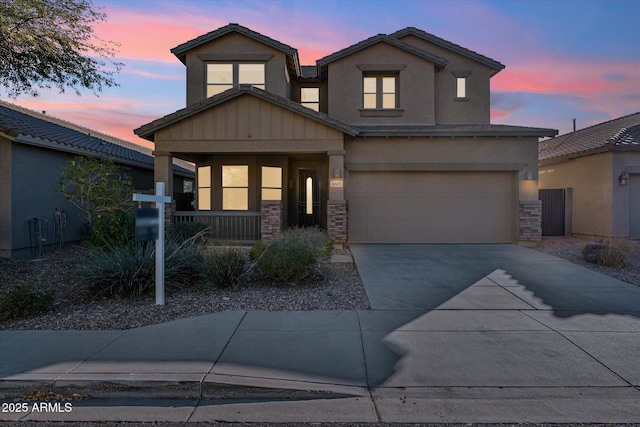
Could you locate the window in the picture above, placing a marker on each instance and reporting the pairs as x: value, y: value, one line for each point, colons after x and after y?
x: 204, y: 188
x: 379, y: 92
x: 310, y: 97
x: 271, y: 183
x: 252, y: 74
x: 461, y: 84
x: 221, y: 77
x: 461, y: 87
x: 235, y: 188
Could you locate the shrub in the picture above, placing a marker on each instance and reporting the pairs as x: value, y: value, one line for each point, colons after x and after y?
x: 292, y: 257
x: 129, y: 270
x: 25, y: 300
x: 591, y: 252
x: 612, y: 253
x: 102, y: 194
x: 615, y: 253
x: 225, y: 267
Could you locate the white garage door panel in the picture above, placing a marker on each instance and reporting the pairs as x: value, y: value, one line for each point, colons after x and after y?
x: 431, y: 207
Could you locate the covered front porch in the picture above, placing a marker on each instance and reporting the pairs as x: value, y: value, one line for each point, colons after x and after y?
x: 263, y: 164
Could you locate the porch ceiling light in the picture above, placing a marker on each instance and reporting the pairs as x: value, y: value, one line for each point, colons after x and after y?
x: 623, y: 178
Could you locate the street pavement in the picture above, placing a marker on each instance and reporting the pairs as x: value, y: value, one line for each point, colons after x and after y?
x: 455, y: 334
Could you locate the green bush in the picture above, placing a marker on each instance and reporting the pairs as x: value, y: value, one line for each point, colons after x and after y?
x: 129, y: 270
x: 225, y: 267
x: 293, y: 257
x: 25, y: 300
x: 611, y: 253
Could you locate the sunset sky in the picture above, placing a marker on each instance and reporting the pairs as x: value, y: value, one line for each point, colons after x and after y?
x: 564, y: 59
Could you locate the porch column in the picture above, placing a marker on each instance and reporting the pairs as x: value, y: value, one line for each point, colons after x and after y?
x: 163, y: 172
x: 337, y: 205
x: 530, y: 221
x: 270, y: 219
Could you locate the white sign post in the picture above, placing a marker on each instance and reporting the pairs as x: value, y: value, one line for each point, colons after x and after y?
x: 160, y: 199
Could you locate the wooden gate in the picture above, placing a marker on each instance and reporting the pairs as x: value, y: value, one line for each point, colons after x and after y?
x: 553, y: 212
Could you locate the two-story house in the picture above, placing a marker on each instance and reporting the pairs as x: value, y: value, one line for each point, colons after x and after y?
x: 385, y: 141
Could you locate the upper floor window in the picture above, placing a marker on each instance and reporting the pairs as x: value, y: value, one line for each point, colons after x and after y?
x: 461, y: 87
x: 461, y: 84
x: 221, y: 77
x: 379, y: 92
x: 310, y: 97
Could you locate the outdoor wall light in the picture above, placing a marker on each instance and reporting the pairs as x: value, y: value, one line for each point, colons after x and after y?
x: 529, y: 176
x: 623, y: 178
x: 337, y: 173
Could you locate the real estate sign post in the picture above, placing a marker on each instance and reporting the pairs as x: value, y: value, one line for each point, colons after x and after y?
x: 160, y: 199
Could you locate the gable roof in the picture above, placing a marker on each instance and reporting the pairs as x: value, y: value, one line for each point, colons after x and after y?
x: 181, y: 50
x: 382, y: 38
x: 33, y: 128
x: 621, y: 134
x: 491, y: 63
x: 147, y: 131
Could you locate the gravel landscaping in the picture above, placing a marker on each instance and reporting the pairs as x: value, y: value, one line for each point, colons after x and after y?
x: 339, y: 288
x: 570, y: 248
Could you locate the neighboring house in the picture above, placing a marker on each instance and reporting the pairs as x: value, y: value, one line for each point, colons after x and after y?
x: 598, y: 171
x: 34, y: 148
x: 386, y: 141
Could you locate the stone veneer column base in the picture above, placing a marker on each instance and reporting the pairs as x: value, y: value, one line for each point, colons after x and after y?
x: 337, y: 220
x: 270, y: 219
x: 169, y: 209
x: 530, y: 221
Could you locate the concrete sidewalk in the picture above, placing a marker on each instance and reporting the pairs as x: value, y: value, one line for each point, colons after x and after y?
x: 488, y: 334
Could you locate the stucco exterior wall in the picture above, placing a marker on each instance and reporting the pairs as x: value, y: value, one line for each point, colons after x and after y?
x: 475, y: 109
x: 628, y: 162
x: 460, y: 153
x: 5, y: 198
x: 416, y: 86
x: 234, y: 47
x: 35, y: 195
x: 591, y: 179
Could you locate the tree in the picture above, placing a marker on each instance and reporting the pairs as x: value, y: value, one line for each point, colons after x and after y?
x: 51, y: 43
x: 103, y: 195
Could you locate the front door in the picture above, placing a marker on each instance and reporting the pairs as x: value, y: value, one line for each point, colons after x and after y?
x: 308, y: 198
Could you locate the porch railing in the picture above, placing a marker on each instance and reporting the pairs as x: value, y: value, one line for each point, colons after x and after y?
x: 239, y: 227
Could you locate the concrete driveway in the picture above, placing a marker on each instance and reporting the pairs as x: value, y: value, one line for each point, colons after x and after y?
x: 497, y: 333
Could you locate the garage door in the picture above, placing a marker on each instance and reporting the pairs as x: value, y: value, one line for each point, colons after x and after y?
x: 431, y: 207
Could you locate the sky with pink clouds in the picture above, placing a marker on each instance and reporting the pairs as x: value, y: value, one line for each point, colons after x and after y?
x: 564, y: 59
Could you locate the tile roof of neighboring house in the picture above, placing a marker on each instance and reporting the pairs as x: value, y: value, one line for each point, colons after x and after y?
x: 480, y: 130
x: 181, y: 50
x: 621, y: 134
x: 382, y: 38
x: 31, y: 127
x: 497, y: 66
x: 147, y: 131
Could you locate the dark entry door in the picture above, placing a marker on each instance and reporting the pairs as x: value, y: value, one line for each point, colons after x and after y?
x: 552, y: 212
x: 308, y: 198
